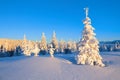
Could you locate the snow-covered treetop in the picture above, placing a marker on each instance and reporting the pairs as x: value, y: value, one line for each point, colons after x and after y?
x: 86, y: 11
x: 87, y: 20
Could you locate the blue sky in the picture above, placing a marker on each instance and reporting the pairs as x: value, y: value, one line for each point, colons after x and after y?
x: 32, y: 17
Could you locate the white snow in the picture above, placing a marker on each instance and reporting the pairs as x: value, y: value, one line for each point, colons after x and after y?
x: 62, y: 67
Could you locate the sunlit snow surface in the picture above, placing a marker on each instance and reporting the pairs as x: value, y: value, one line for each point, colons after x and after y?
x: 62, y: 67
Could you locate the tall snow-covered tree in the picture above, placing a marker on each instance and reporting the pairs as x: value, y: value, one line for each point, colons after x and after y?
x: 43, y: 44
x: 89, y: 49
x: 55, y: 42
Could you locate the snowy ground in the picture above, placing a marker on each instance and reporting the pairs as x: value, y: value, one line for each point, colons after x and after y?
x: 63, y: 67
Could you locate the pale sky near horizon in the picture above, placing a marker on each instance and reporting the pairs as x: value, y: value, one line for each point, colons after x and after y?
x: 32, y: 17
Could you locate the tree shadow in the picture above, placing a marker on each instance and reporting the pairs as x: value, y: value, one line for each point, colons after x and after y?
x: 108, y: 63
x: 67, y: 57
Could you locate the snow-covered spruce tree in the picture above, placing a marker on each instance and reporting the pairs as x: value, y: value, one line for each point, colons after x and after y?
x: 24, y: 42
x: 26, y: 47
x: 43, y: 44
x: 36, y: 50
x: 62, y: 46
x: 74, y: 46
x: 69, y: 46
x: 55, y: 42
x: 89, y: 49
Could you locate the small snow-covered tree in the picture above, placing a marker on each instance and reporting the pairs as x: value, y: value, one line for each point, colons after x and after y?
x: 111, y: 48
x: 51, y: 50
x: 26, y: 47
x: 17, y: 51
x: 6, y: 45
x: 43, y: 44
x: 2, y: 49
x: 89, y: 49
x: 55, y: 42
x: 74, y: 46
x: 36, y: 50
x: 105, y: 47
x: 24, y: 42
x: 62, y: 46
x: 117, y: 46
x: 69, y: 45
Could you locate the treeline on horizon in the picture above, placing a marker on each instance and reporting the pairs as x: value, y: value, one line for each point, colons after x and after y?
x: 11, y: 44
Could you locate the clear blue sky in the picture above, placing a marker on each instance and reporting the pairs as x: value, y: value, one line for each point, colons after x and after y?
x: 32, y: 17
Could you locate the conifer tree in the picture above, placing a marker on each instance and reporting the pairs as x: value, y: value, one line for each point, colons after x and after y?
x: 69, y: 45
x: 36, y: 50
x: 43, y: 44
x: 62, y: 46
x: 74, y: 46
x: 26, y: 46
x: 55, y: 42
x: 89, y: 49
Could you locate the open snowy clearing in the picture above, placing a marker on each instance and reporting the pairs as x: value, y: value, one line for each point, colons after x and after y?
x: 62, y: 67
